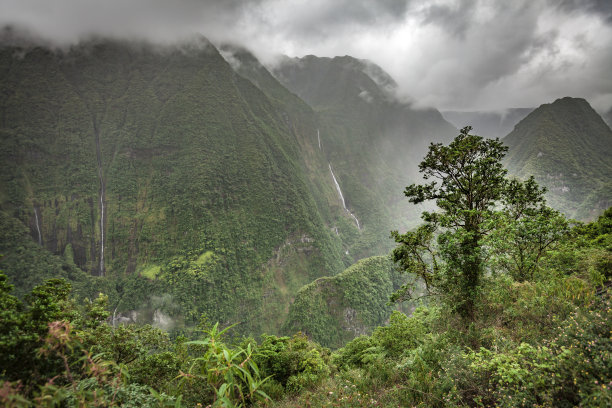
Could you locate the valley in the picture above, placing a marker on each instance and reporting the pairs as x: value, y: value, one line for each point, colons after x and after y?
x: 191, y: 192
x: 225, y: 190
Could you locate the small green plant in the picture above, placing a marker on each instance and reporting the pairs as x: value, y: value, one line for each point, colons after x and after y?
x: 231, y: 372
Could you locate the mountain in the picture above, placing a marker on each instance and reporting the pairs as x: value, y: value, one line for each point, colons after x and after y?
x: 490, y: 124
x: 567, y: 146
x: 334, y: 310
x: 164, y: 169
x: 372, y: 140
x: 608, y: 117
x: 295, y: 111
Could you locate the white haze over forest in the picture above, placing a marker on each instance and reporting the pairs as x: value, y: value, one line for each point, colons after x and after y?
x: 450, y: 54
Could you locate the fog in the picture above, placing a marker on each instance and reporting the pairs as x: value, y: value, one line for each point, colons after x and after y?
x: 450, y: 54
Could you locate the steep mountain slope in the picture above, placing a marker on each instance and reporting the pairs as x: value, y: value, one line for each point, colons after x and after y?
x: 293, y: 110
x: 607, y: 117
x: 334, y: 310
x: 568, y: 148
x: 372, y: 141
x: 490, y: 124
x: 163, y: 162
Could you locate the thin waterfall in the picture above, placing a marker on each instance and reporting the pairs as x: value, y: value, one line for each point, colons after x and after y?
x: 102, y: 233
x: 342, y: 197
x: 319, y: 138
x: 102, y: 192
x: 38, y: 227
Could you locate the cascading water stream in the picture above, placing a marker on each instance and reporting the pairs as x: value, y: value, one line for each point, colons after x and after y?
x: 102, y: 193
x: 38, y: 227
x: 102, y: 228
x: 319, y: 139
x: 342, y: 197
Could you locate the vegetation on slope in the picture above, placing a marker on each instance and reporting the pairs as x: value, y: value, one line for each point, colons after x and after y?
x: 155, y: 157
x: 334, y: 310
x: 372, y: 139
x: 567, y: 147
x: 540, y: 342
x: 535, y: 339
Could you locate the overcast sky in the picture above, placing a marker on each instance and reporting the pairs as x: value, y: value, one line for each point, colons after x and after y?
x: 450, y: 54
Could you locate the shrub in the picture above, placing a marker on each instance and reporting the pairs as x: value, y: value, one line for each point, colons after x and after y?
x: 294, y: 363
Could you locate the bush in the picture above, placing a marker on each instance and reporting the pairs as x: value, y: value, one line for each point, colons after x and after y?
x: 294, y: 363
x: 571, y: 369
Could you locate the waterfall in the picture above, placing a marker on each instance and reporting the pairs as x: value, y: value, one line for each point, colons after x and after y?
x: 102, y: 192
x: 319, y: 138
x: 102, y: 233
x: 38, y: 227
x: 342, y: 197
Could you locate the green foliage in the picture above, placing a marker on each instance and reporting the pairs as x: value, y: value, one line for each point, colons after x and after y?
x: 25, y: 326
x: 572, y: 368
x: 11, y: 323
x: 472, y: 181
x: 84, y: 381
x: 339, y: 391
x: 541, y: 341
x: 125, y: 344
x: 231, y: 373
x: 525, y: 231
x: 334, y: 310
x: 141, y: 119
x: 566, y: 146
x: 401, y: 334
x: 480, y: 211
x: 294, y: 363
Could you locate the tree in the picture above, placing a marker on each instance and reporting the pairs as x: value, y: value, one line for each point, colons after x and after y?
x: 525, y: 231
x: 24, y: 327
x: 474, y: 198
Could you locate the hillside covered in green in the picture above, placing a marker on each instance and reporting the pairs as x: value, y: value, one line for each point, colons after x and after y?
x: 567, y: 147
x: 335, y: 310
x: 372, y: 139
x: 542, y: 341
x: 131, y: 159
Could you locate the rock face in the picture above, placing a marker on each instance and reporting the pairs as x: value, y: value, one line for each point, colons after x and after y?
x: 567, y: 147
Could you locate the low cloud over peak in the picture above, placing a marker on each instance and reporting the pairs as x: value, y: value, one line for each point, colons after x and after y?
x: 451, y: 54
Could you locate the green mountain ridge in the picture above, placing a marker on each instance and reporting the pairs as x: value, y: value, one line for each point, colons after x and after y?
x: 567, y: 146
x: 372, y: 140
x: 164, y: 162
x: 334, y: 310
x: 218, y: 186
x: 292, y: 108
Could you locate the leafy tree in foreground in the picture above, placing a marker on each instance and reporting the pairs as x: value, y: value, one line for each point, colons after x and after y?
x: 474, y: 199
x: 525, y: 230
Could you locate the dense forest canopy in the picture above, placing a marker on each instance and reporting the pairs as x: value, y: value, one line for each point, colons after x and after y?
x: 191, y: 223
x: 532, y: 334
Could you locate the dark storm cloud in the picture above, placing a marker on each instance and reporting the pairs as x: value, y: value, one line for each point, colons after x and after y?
x: 446, y: 53
x: 455, y: 18
x: 67, y: 21
x: 601, y: 7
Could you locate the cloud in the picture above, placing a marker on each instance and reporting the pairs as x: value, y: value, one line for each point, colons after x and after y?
x: 451, y: 54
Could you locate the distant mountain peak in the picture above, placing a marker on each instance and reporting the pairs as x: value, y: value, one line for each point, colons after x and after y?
x: 567, y: 146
